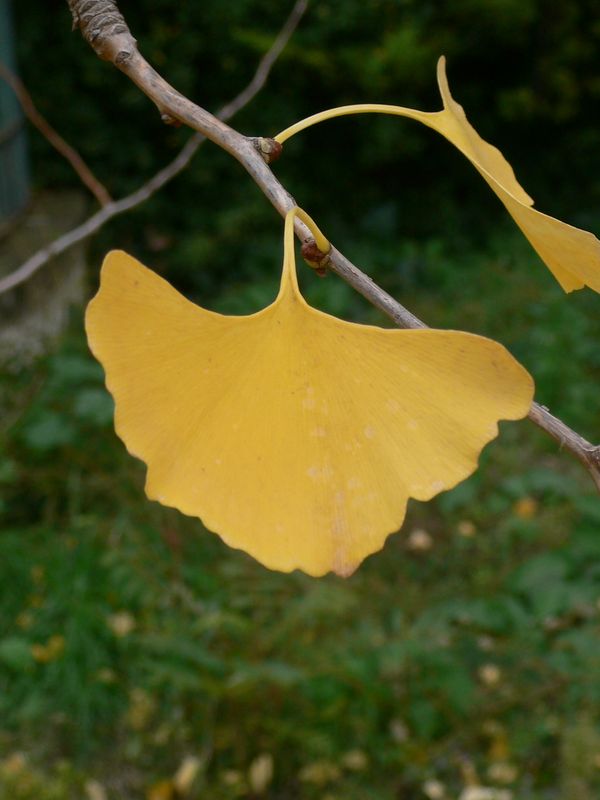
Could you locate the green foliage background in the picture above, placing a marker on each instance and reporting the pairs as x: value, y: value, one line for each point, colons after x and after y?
x: 221, y: 659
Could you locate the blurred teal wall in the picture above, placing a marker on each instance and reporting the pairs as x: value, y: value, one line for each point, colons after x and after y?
x: 14, y: 173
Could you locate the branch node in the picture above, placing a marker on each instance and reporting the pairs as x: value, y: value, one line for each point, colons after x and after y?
x: 99, y: 21
x: 168, y: 119
x: 315, y: 258
x: 269, y: 149
x: 122, y: 57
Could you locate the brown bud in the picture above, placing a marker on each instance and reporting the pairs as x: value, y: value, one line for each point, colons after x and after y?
x: 314, y: 257
x: 269, y: 149
x: 169, y: 120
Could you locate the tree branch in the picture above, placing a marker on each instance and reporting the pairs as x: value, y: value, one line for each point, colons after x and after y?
x: 587, y: 453
x: 105, y: 29
x: 64, y: 148
x: 177, y: 165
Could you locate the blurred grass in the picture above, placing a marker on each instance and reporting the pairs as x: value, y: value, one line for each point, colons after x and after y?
x: 131, y: 639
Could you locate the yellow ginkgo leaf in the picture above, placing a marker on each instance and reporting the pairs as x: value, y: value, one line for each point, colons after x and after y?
x: 571, y: 254
x: 294, y: 435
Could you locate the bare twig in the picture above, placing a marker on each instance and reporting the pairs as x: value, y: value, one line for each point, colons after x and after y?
x: 587, y: 453
x: 179, y: 163
x: 64, y: 148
